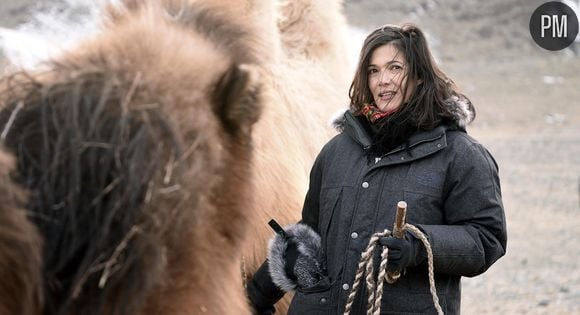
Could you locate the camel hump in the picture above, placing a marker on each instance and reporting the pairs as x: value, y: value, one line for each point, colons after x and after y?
x: 314, y: 29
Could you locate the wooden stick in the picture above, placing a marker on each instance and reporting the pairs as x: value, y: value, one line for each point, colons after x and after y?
x: 398, y: 232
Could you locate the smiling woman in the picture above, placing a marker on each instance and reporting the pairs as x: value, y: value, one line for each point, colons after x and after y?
x: 389, y: 82
x: 404, y: 138
x: 396, y: 68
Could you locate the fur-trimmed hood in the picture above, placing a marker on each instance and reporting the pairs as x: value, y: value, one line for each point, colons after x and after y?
x: 462, y: 110
x: 397, y: 131
x: 460, y: 107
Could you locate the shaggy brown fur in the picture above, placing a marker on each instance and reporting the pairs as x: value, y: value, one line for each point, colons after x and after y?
x: 307, y: 83
x: 135, y: 155
x: 300, y: 45
x: 147, y: 173
x: 20, y: 249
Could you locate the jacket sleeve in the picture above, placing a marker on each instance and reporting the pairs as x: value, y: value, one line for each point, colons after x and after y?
x: 474, y: 236
x: 262, y: 292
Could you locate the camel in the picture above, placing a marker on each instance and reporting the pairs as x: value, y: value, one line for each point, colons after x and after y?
x: 148, y: 158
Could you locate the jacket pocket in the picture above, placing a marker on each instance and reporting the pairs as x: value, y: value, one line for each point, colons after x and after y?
x: 320, y: 286
x: 315, y: 300
x: 329, y: 202
x: 329, y: 212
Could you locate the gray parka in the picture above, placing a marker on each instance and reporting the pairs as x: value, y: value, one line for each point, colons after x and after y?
x: 450, y: 183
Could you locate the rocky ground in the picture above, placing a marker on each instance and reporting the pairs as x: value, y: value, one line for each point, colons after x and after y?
x: 528, y: 104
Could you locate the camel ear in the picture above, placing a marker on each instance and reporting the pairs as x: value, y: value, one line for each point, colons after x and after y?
x: 236, y: 99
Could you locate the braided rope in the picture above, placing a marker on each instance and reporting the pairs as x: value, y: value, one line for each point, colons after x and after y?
x: 418, y: 234
x: 370, y: 280
x: 381, y: 281
x: 365, y: 261
x: 375, y: 287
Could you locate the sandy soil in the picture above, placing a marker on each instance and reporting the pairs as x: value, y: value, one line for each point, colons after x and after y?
x: 533, y: 129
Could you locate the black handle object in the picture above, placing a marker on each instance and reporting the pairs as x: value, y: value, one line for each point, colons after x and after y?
x: 277, y: 228
x: 291, y: 253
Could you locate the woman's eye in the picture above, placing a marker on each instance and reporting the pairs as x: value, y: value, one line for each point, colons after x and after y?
x: 396, y: 67
x: 371, y: 71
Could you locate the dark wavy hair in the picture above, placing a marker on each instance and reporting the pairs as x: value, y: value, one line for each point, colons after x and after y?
x: 425, y: 108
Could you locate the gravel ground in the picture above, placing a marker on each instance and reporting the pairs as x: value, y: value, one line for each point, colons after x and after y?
x: 540, y: 273
x: 532, y: 126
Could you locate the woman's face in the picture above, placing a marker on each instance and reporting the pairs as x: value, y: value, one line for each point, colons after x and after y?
x: 387, y: 78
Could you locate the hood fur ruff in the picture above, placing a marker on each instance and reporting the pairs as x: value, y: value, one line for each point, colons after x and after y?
x: 460, y: 107
x: 309, y: 267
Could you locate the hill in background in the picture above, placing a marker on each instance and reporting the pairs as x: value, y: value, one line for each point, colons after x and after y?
x: 487, y: 30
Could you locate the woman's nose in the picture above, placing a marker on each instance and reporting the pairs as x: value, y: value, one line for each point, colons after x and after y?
x: 385, y: 78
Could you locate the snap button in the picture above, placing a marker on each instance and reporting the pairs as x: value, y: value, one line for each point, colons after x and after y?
x: 323, y: 300
x: 345, y: 286
x: 365, y: 185
x: 438, y: 145
x: 402, y: 158
x: 354, y: 235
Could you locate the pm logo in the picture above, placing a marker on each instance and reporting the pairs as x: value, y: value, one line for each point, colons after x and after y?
x: 554, y: 25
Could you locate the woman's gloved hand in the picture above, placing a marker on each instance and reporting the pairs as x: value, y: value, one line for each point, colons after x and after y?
x: 262, y: 292
x: 296, y: 258
x: 403, y: 252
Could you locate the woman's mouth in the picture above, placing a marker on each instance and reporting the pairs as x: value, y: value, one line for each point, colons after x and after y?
x: 387, y: 95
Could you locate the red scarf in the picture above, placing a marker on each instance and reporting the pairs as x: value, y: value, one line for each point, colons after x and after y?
x: 373, y: 113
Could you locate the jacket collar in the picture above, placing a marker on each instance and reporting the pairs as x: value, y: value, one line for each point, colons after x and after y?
x: 354, y: 128
x: 461, y: 108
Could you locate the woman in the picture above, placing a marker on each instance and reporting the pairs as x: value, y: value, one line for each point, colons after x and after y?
x: 403, y: 138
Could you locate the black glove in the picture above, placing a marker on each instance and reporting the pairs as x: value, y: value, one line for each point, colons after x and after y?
x: 291, y: 256
x: 262, y: 292
x: 403, y: 252
x: 296, y: 258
